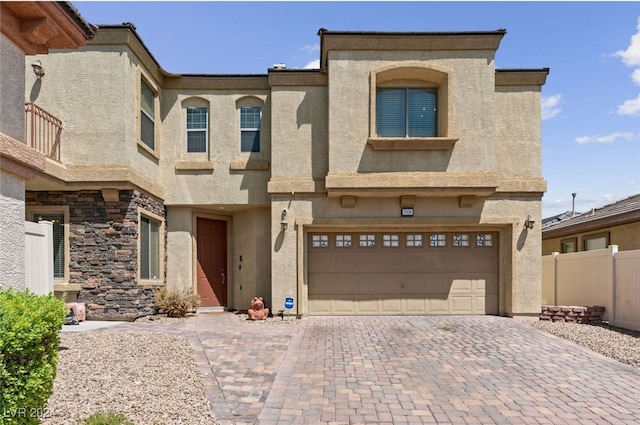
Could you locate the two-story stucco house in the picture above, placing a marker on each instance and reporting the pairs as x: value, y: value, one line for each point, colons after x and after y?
x: 26, y: 28
x: 396, y: 179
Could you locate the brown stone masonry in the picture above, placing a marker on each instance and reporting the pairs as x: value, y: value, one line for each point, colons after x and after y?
x: 577, y: 314
x: 103, y: 250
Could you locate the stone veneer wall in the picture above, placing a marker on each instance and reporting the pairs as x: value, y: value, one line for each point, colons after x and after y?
x: 103, y: 250
x: 577, y: 314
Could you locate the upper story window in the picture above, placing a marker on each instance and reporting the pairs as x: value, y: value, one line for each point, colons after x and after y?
x: 250, y: 126
x: 406, y: 112
x: 197, y: 129
x: 410, y: 108
x: 147, y: 115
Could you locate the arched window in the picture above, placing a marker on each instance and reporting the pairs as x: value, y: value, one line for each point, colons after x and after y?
x: 409, y: 102
x: 196, y: 118
x: 250, y: 116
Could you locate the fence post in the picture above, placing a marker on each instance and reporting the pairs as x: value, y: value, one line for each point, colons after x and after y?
x: 613, y: 250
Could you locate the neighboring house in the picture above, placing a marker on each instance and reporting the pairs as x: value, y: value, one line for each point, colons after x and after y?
x: 614, y: 224
x: 26, y: 28
x: 395, y: 179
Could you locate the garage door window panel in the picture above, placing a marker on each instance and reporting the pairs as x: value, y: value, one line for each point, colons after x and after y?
x: 437, y: 240
x: 367, y: 241
x: 414, y: 241
x: 390, y: 241
x: 320, y: 241
x: 484, y: 240
x: 460, y: 240
x: 343, y: 241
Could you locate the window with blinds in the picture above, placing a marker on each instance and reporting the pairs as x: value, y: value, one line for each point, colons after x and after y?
x: 406, y: 112
x: 58, y: 241
x: 250, y: 123
x: 196, y: 129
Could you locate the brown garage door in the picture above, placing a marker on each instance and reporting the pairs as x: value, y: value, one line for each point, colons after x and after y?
x: 403, y: 273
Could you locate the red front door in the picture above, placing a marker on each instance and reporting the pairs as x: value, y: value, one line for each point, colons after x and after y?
x: 212, y: 262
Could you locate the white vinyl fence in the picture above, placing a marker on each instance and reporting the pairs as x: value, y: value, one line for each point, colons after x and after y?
x: 39, y: 257
x: 603, y: 277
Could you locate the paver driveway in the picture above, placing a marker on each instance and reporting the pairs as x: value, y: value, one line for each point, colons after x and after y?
x: 431, y: 369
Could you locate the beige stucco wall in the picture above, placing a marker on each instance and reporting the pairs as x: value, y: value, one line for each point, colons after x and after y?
x: 470, y: 100
x: 100, y: 114
x: 251, y: 240
x: 12, y: 89
x: 248, y: 237
x: 518, y: 147
x: 300, y: 129
x: 223, y: 175
x: 625, y: 236
x: 12, y: 232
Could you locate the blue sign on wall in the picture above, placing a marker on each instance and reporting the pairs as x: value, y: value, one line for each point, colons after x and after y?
x: 288, y: 303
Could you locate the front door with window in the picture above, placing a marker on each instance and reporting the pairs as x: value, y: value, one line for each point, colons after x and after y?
x: 212, y: 262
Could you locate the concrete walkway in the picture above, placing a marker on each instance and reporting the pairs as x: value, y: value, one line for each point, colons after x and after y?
x: 402, y: 370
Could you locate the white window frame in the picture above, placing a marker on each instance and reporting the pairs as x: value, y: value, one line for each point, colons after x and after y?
x: 196, y: 130
x: 250, y: 129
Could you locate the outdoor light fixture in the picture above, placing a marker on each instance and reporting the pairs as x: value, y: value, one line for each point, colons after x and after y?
x: 283, y: 220
x: 528, y: 223
x: 38, y: 69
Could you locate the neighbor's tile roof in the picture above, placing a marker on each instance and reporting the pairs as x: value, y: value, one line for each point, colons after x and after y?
x: 619, y: 208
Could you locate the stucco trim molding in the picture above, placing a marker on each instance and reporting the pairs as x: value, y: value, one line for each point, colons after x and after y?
x: 418, y: 183
x: 250, y: 165
x: 19, y: 159
x: 411, y: 143
x: 194, y: 165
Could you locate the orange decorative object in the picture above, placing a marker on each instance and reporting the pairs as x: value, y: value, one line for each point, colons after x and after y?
x: 258, y: 311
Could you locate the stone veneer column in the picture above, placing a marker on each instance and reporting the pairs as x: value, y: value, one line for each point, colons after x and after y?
x: 103, y: 249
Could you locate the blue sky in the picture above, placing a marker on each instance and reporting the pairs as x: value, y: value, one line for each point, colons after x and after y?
x: 591, y: 101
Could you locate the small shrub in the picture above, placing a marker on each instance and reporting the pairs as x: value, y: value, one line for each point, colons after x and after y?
x: 29, y: 340
x: 175, y: 303
x: 107, y: 419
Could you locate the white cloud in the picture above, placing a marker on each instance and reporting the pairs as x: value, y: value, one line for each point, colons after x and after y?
x: 310, y: 48
x: 631, y: 56
x: 315, y: 64
x: 550, y: 106
x: 630, y: 107
x: 605, y: 139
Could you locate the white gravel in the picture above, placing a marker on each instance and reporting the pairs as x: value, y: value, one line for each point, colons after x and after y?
x: 620, y: 344
x: 151, y: 378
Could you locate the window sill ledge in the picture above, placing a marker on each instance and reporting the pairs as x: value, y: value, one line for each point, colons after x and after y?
x: 194, y: 165
x: 143, y: 146
x: 243, y: 165
x: 411, y: 143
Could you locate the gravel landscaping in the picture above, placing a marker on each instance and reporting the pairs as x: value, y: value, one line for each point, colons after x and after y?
x: 617, y: 343
x: 149, y: 377
x: 152, y: 379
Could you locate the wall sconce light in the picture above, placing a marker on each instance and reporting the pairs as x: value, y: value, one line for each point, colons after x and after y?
x: 283, y: 220
x: 38, y: 69
x: 528, y: 223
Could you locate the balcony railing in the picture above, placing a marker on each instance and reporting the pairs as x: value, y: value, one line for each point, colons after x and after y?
x: 42, y: 131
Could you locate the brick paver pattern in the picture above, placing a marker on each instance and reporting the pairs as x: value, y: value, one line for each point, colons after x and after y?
x: 403, y: 370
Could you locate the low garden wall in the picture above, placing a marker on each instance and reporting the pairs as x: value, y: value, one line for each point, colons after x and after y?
x: 576, y: 314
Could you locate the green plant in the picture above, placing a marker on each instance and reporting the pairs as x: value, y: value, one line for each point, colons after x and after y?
x: 107, y: 419
x: 175, y: 303
x: 29, y: 340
